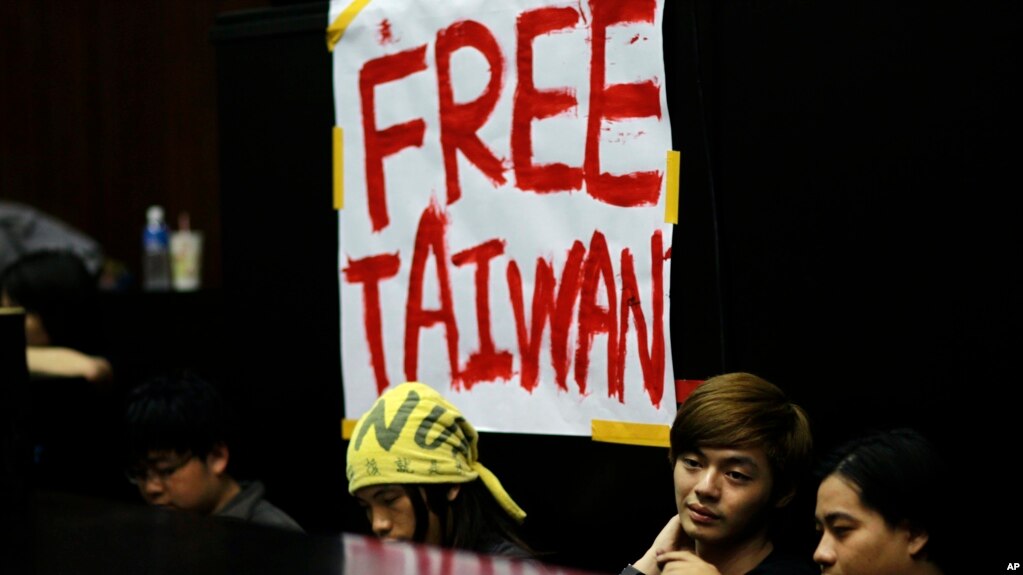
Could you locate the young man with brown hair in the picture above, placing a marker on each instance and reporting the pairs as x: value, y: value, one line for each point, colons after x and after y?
x: 739, y: 449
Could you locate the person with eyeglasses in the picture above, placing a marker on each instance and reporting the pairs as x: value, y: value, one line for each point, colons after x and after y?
x: 177, y: 432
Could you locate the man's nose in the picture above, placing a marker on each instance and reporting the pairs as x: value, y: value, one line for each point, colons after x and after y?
x: 151, y: 486
x: 709, y: 484
x: 381, y: 523
x: 824, y: 554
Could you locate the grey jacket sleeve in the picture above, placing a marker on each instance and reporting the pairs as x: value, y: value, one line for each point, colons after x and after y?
x: 25, y: 230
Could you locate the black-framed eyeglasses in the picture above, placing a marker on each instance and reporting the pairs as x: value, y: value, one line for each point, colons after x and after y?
x: 161, y: 471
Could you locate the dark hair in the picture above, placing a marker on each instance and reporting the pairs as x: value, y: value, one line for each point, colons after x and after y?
x: 180, y: 412
x: 899, y: 474
x: 743, y: 410
x: 57, y: 286
x: 474, y: 521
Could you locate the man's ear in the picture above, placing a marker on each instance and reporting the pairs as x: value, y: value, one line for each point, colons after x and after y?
x: 916, y: 539
x: 217, y: 458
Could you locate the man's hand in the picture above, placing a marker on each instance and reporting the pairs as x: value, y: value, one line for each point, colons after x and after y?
x: 684, y: 563
x: 672, y: 538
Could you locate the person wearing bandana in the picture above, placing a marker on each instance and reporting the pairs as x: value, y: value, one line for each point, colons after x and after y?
x: 413, y: 466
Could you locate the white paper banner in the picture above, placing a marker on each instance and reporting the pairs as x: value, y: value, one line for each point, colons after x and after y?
x: 503, y: 235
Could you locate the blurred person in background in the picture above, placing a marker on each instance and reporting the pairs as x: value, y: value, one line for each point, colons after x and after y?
x: 178, y: 432
x: 52, y: 270
x: 56, y: 290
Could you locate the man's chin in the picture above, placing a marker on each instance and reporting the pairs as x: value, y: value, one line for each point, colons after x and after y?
x: 702, y: 533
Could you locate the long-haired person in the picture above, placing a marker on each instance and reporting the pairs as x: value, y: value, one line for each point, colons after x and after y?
x: 413, y: 465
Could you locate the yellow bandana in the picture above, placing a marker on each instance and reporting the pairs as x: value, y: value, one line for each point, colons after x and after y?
x: 413, y: 435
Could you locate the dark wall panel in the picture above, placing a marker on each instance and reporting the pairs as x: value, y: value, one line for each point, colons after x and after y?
x: 109, y: 107
x: 280, y: 237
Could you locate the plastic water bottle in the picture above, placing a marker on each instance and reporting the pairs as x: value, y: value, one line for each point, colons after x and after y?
x: 156, y: 269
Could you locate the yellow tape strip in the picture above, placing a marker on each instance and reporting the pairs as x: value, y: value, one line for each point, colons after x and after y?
x: 337, y: 28
x: 339, y: 167
x: 671, y: 189
x: 648, y: 434
x: 347, y: 427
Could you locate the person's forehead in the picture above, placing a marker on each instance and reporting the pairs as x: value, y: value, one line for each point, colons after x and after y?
x: 752, y: 455
x: 837, y: 496
x: 371, y: 491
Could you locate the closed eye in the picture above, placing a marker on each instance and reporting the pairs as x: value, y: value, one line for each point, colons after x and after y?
x: 388, y: 496
x: 840, y: 525
x: 739, y: 476
x: 840, y: 531
x: 690, y: 463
